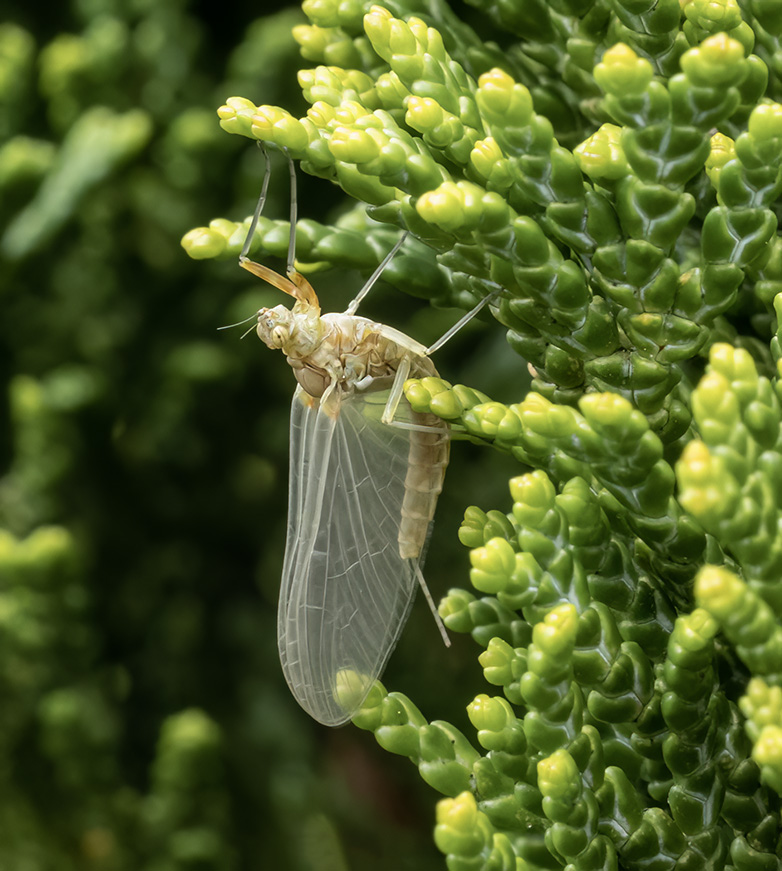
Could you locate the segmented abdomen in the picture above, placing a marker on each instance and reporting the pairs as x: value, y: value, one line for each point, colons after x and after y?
x: 378, y: 351
x: 427, y: 459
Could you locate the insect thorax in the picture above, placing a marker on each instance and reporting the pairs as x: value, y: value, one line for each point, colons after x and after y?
x: 313, y: 380
x: 338, y: 348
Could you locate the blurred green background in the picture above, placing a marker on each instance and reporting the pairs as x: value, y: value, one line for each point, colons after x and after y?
x: 144, y: 721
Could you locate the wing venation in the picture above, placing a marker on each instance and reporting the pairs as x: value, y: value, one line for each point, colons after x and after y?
x: 346, y: 590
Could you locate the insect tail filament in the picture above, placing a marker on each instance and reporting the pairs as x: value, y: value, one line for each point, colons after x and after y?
x: 432, y: 607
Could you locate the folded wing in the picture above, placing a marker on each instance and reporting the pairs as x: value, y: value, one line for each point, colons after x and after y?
x: 346, y: 590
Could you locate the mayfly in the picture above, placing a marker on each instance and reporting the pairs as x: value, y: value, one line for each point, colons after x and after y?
x: 365, y: 474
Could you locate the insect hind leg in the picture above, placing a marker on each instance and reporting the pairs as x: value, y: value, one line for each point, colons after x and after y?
x: 395, y: 394
x: 403, y: 370
x: 395, y: 397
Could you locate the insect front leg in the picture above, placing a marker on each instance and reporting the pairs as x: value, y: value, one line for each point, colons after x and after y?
x: 292, y: 282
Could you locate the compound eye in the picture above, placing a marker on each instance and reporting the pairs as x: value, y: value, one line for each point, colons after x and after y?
x: 279, y: 336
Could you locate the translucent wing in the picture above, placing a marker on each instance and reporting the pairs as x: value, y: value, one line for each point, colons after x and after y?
x: 346, y: 590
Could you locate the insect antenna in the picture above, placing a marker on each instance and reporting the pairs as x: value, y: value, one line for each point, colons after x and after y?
x: 247, y: 332
x: 251, y: 317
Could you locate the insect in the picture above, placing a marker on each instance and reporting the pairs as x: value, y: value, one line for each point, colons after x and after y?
x: 365, y: 474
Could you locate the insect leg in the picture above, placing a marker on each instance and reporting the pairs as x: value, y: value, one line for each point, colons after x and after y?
x: 261, y: 203
x: 293, y: 282
x: 395, y: 394
x: 259, y: 269
x: 395, y: 397
x: 290, y: 270
x: 351, y: 309
x: 432, y: 607
x: 449, y: 334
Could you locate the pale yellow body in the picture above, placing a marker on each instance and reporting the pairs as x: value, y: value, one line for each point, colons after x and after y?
x: 365, y: 475
x: 333, y: 355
